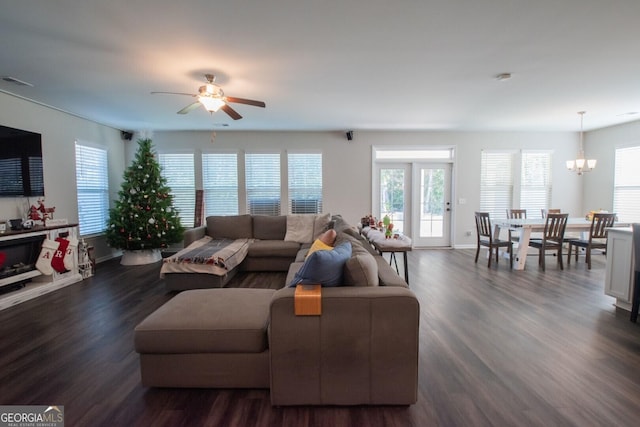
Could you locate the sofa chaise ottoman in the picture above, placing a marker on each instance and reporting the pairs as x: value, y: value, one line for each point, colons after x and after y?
x: 205, y: 338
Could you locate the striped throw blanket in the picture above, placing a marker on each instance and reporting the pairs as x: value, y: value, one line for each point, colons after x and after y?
x: 207, y: 255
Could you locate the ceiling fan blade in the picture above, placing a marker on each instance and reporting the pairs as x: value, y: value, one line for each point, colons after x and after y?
x: 245, y: 101
x: 231, y: 112
x: 189, y: 107
x: 174, y: 93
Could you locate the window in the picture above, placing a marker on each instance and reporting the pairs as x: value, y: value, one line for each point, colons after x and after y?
x: 178, y: 169
x: 626, y: 186
x: 502, y: 188
x: 535, y: 182
x: 496, y: 182
x: 262, y: 172
x: 413, y: 154
x: 305, y: 183
x: 92, y: 186
x: 393, y: 192
x: 220, y: 183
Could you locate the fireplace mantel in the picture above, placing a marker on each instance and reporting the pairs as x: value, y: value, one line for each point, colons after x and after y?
x: 36, y: 283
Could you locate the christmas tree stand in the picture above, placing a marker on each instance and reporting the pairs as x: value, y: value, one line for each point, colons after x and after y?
x: 141, y: 257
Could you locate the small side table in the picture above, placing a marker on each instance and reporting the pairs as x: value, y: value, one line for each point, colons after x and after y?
x: 392, y: 246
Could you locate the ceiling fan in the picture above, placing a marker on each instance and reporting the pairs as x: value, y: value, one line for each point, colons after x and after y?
x: 212, y: 98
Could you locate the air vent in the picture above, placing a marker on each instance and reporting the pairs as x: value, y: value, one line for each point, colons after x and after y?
x: 18, y: 82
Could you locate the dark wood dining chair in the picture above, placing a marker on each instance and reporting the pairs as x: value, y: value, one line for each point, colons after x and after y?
x: 636, y: 281
x: 548, y: 211
x: 485, y: 238
x: 600, y: 224
x: 516, y: 214
x: 552, y: 238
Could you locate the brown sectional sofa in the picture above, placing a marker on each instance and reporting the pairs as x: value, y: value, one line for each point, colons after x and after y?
x: 362, y: 349
x: 268, y: 251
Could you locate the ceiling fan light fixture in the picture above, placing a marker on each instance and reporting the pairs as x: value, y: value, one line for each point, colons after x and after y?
x: 211, y: 104
x: 212, y: 98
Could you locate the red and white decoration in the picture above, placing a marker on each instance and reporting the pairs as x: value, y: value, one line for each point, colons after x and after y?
x: 56, y: 255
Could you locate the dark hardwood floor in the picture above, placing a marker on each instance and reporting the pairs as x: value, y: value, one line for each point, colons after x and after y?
x: 497, y: 348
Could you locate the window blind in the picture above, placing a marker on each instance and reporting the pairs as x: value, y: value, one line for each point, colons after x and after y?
x: 262, y: 175
x: 535, y: 182
x: 178, y: 169
x: 36, y: 175
x: 11, y: 176
x: 626, y: 187
x: 92, y: 186
x: 305, y: 182
x: 220, y: 183
x: 496, y: 183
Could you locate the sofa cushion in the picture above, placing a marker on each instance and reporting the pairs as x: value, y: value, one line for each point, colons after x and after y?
x: 208, y: 321
x: 269, y: 227
x: 293, y: 270
x: 302, y: 255
x: 319, y: 245
x: 339, y: 224
x: 324, y: 267
x: 325, y: 241
x: 321, y: 224
x: 359, y: 244
x: 230, y: 227
x: 361, y: 270
x: 300, y: 228
x: 273, y: 248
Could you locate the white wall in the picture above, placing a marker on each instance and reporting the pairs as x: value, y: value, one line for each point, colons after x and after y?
x: 347, y: 165
x: 59, y: 132
x: 601, y: 145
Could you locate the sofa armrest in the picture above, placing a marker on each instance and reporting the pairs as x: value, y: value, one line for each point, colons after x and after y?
x: 387, y: 275
x: 193, y: 234
x: 363, y: 349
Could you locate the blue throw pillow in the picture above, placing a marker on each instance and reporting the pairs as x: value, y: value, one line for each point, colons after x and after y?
x: 324, y: 267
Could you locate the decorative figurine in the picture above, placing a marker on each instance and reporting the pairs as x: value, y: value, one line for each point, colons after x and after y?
x: 41, y: 213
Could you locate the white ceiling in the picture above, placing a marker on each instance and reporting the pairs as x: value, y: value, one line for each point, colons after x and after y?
x: 332, y: 64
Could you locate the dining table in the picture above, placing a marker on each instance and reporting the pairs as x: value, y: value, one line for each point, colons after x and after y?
x: 527, y: 226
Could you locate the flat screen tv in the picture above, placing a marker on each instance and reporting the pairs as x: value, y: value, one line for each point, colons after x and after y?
x: 20, y: 163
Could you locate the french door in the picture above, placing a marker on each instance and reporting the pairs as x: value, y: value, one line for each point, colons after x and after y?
x: 432, y: 207
x: 417, y: 199
x: 394, y: 195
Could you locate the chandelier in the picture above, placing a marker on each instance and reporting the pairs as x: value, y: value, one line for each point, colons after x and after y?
x: 578, y: 165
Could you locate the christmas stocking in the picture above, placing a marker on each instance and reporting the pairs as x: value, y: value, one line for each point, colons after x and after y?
x: 68, y: 255
x: 46, y: 255
x: 57, y: 262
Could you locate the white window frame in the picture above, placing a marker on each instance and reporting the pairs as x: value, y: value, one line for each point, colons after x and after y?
x: 271, y: 197
x: 519, y: 188
x: 92, y: 188
x: 183, y: 185
x: 221, y: 186
x: 538, y: 184
x: 497, y: 179
x: 626, y: 187
x: 304, y: 196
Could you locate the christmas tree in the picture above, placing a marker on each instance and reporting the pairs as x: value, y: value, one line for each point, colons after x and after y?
x: 144, y: 216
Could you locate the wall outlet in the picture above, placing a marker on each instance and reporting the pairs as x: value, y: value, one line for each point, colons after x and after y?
x: 468, y: 233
